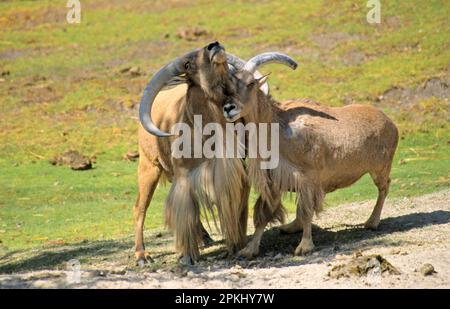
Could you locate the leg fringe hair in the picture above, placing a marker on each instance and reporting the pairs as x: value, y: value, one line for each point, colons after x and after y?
x: 271, y: 184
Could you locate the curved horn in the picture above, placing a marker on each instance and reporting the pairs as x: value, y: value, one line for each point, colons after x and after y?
x: 159, y: 80
x: 235, y: 62
x: 266, y: 58
x: 238, y: 64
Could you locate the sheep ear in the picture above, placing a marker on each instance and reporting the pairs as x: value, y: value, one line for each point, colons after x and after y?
x: 263, y: 79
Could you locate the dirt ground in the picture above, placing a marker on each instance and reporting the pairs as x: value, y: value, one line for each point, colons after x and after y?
x: 413, y: 232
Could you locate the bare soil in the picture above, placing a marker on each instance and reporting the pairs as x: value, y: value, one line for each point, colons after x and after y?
x: 437, y: 87
x: 411, y: 249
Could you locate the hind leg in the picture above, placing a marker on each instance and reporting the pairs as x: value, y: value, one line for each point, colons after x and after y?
x: 306, y: 244
x: 148, y: 177
x: 309, y: 202
x: 382, y: 181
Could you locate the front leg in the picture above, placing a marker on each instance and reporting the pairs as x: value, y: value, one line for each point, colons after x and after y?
x: 252, y: 248
x: 264, y: 213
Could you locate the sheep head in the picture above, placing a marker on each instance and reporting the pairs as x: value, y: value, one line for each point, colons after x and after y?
x: 243, y: 98
x: 206, y: 68
x: 245, y: 87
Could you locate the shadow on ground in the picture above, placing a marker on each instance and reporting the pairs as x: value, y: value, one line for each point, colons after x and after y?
x: 329, y: 242
x: 51, y: 258
x: 339, y: 239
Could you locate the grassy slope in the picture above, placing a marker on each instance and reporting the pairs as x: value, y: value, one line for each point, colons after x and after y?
x: 85, y: 108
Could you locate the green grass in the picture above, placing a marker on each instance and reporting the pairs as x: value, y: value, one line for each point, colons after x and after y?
x: 86, y: 106
x: 43, y: 205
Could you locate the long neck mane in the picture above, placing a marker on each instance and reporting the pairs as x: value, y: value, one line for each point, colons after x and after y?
x: 270, y: 183
x: 214, y: 82
x: 200, y: 103
x: 268, y: 111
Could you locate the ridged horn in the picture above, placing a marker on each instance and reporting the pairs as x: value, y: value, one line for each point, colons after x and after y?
x: 159, y: 80
x: 238, y: 64
x: 266, y: 58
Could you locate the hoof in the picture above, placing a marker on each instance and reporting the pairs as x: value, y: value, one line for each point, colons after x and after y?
x: 140, y: 263
x: 304, y: 248
x: 143, y: 258
x: 372, y: 224
x: 247, y: 253
x: 186, y: 261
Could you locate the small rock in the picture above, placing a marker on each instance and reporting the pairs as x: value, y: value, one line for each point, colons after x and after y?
x: 131, y: 155
x: 357, y: 254
x: 96, y: 273
x: 132, y: 71
x: 348, y: 100
x: 190, y: 274
x: 118, y: 271
x: 135, y: 71
x: 125, y: 70
x: 74, y: 159
x: 395, y: 251
x: 237, y: 267
x: 427, y: 269
x: 191, y: 34
x: 101, y: 273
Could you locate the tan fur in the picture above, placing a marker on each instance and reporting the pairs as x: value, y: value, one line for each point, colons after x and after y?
x: 220, y: 182
x: 195, y: 182
x: 321, y: 149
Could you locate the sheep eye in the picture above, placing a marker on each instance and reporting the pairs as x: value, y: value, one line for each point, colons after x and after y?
x: 187, y: 65
x: 251, y: 84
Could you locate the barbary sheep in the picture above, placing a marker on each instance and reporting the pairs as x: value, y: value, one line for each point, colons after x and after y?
x: 195, y: 181
x: 321, y: 149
